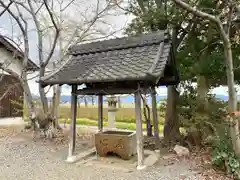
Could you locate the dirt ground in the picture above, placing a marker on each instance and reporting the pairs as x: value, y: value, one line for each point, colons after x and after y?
x: 22, y: 157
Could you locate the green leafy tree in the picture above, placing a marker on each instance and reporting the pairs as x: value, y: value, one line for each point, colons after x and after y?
x: 200, y: 54
x: 222, y: 20
x: 153, y: 16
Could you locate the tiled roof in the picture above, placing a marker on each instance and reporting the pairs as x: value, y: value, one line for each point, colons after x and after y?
x: 10, y: 47
x: 119, y: 43
x: 128, y: 58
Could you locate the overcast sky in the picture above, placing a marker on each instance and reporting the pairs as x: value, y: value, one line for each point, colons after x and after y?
x: 117, y: 21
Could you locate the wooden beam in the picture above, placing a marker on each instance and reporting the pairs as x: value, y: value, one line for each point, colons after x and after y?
x: 139, y: 132
x: 100, y: 113
x: 110, y: 91
x: 155, y: 119
x: 72, y: 137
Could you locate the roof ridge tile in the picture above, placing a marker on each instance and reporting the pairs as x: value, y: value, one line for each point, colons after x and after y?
x: 119, y: 43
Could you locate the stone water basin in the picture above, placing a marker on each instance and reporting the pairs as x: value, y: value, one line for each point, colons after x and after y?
x: 122, y: 143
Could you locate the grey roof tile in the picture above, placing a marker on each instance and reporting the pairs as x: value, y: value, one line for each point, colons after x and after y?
x: 119, y: 43
x: 129, y: 58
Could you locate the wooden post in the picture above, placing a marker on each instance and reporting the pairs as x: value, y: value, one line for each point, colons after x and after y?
x: 139, y: 133
x: 100, y: 113
x: 155, y: 120
x: 72, y: 137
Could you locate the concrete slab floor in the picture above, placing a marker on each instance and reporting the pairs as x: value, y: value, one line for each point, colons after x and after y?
x: 115, y: 162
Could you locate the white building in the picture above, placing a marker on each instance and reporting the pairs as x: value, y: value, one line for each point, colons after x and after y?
x: 11, y: 91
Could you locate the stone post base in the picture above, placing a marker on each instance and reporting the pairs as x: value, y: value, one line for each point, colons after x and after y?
x: 141, y: 167
x: 70, y: 159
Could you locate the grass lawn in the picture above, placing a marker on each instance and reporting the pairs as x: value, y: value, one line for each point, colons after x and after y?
x: 125, y: 116
x: 120, y: 125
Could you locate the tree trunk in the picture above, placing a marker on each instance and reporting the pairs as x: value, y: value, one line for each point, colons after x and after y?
x: 119, y: 102
x: 29, y: 100
x: 42, y: 93
x: 171, y: 130
x: 85, y: 102
x: 43, y: 99
x: 28, y: 95
x: 56, y: 104
x: 25, y: 108
x: 31, y: 108
x: 171, y: 124
x: 202, y: 91
x: 146, y: 113
x: 53, y: 102
x: 232, y: 102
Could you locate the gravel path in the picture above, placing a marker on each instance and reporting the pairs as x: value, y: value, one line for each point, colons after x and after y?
x: 28, y: 160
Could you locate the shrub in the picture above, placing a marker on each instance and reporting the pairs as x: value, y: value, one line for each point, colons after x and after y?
x: 223, y: 156
x: 200, y: 121
x: 209, y: 123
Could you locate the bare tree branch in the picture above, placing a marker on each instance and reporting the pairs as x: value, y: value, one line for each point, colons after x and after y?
x: 48, y: 90
x: 39, y: 33
x: 26, y: 43
x: 91, y: 24
x: 6, y: 8
x: 15, y: 17
x: 202, y: 14
x: 12, y: 86
x: 229, y: 20
x: 8, y: 70
x: 39, y: 8
x: 196, y: 12
x: 125, y: 9
x: 63, y: 9
x: 56, y: 33
x: 21, y: 4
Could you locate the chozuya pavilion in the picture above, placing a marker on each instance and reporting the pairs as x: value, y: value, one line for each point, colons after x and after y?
x: 129, y: 65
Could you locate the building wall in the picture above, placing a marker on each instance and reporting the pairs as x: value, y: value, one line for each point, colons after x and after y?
x: 11, y: 97
x: 6, y: 57
x: 11, y: 92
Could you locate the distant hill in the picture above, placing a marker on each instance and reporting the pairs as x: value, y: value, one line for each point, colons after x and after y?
x: 222, y: 97
x: 225, y: 98
x: 126, y: 99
